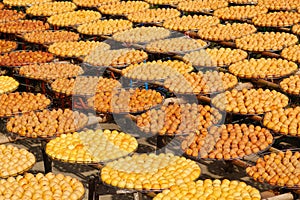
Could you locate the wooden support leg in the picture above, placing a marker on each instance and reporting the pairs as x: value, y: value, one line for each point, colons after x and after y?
x: 62, y: 100
x: 160, y: 144
x: 229, y: 167
x: 137, y: 196
x: 101, y: 189
x: 91, y: 186
x: 27, y: 85
x: 43, y: 87
x: 113, y: 75
x: 46, y: 159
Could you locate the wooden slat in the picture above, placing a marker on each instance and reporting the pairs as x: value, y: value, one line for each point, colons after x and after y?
x: 204, y: 98
x: 133, y: 118
x: 256, y: 118
x: 7, y: 139
x: 173, y: 100
x: 274, y: 150
x: 284, y: 29
x: 177, y: 57
x: 241, y: 163
x: 106, y: 37
x: 266, y: 83
x: 112, y: 69
x: 192, y: 34
x: 228, y: 44
x: 286, y: 196
x: 270, y: 54
x: 137, y: 46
